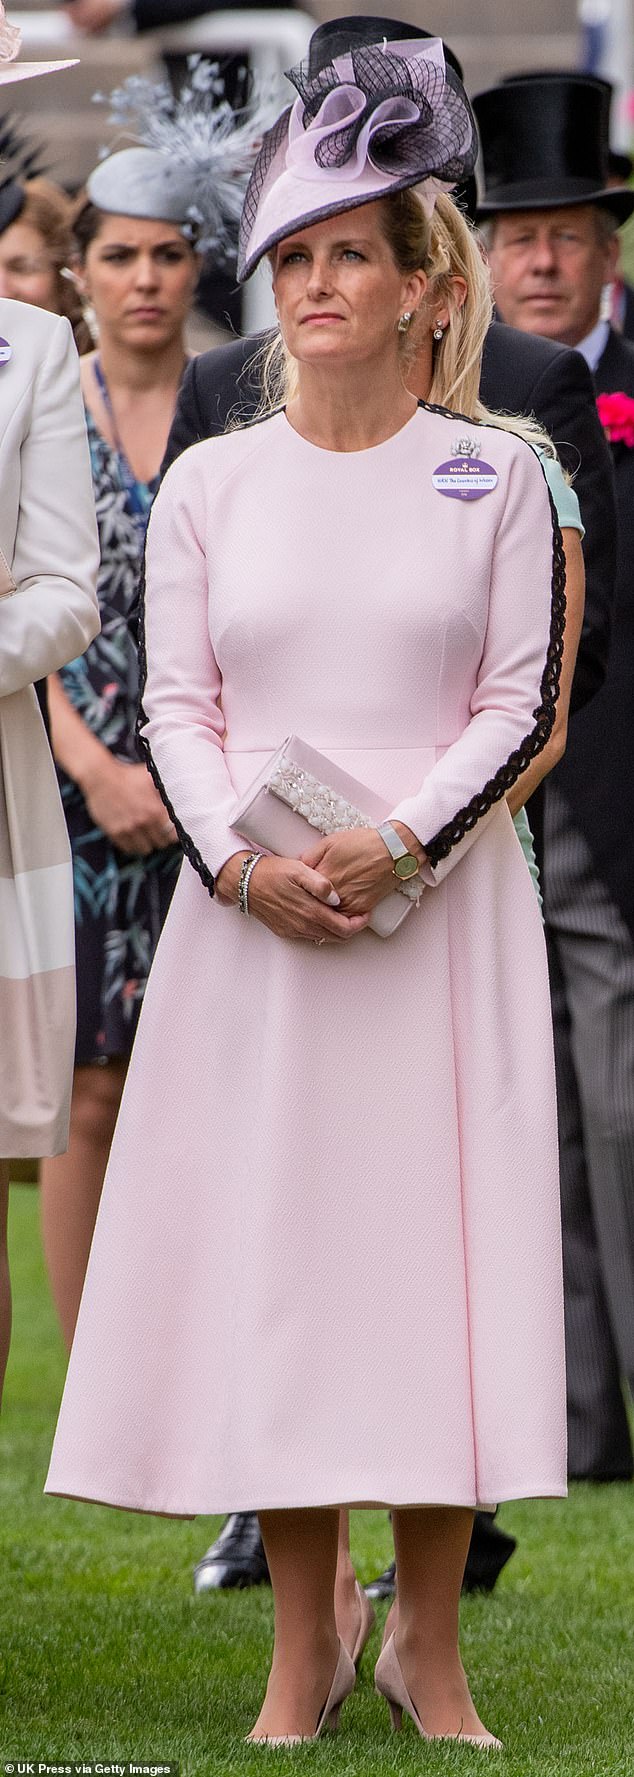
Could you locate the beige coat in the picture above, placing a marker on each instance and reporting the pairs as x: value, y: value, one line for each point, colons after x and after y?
x: 48, y: 615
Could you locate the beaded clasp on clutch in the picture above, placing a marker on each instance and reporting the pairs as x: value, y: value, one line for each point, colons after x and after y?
x: 293, y: 790
x: 323, y: 808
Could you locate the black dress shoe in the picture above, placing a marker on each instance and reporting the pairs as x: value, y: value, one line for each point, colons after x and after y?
x: 489, y: 1550
x: 236, y: 1558
x: 384, y: 1586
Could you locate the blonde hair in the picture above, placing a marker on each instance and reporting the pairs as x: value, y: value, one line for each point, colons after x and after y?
x: 445, y: 247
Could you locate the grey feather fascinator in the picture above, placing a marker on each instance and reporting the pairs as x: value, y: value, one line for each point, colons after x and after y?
x: 190, y: 157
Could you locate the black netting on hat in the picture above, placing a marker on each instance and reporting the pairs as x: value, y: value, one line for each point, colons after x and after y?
x: 404, y: 116
x: 313, y: 89
x: 271, y: 142
x: 441, y: 141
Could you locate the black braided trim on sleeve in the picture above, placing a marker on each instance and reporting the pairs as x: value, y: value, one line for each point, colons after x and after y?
x: 498, y: 786
x: 189, y: 848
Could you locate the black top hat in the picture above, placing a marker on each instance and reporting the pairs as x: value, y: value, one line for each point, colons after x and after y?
x: 545, y: 145
x: 339, y: 35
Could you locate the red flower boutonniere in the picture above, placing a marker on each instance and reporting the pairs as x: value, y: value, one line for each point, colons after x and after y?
x: 616, y: 413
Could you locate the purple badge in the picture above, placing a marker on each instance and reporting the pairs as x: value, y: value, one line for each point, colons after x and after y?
x: 6, y: 351
x: 464, y: 479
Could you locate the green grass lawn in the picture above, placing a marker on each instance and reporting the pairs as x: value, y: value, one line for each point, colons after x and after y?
x: 105, y: 1653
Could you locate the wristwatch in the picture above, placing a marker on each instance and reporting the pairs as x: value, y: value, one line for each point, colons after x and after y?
x: 405, y: 864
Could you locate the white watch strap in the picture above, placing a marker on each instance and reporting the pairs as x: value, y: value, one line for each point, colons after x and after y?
x: 391, y: 839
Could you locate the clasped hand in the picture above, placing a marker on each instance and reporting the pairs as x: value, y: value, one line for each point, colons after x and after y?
x: 350, y: 871
x: 357, y: 863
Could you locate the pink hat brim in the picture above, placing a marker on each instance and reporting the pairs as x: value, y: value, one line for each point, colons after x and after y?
x: 293, y: 203
x: 14, y: 71
x: 337, y: 146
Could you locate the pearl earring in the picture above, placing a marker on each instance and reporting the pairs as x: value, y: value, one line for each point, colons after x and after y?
x: 439, y: 332
x: 404, y: 322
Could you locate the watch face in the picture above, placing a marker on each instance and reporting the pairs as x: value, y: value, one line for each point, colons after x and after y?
x: 406, y: 866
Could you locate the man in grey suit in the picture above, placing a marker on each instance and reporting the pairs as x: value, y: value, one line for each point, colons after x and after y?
x: 551, y: 219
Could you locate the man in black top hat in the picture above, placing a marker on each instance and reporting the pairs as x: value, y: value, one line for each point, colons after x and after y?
x: 551, y: 219
x: 618, y: 173
x: 518, y: 375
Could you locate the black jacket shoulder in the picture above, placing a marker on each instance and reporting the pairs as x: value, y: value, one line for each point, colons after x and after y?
x: 514, y: 363
x: 218, y: 386
x: 522, y: 373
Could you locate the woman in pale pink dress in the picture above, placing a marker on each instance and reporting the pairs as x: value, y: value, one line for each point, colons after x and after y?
x: 305, y: 1098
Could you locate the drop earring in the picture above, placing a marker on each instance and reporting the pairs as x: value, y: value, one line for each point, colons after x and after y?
x: 87, y: 311
x: 439, y: 332
x: 404, y: 322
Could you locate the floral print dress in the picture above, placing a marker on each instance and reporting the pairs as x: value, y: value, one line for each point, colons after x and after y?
x: 120, y: 900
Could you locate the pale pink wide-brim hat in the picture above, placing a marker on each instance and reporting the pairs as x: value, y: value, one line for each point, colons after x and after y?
x: 379, y: 119
x: 11, y: 69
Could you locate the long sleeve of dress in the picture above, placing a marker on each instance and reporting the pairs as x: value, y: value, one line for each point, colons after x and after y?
x: 53, y: 615
x: 182, y: 727
x: 513, y: 704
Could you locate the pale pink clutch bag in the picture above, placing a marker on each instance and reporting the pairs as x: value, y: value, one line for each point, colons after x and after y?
x: 300, y: 788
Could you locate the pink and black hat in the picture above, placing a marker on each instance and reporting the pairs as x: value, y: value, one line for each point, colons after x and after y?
x: 373, y: 120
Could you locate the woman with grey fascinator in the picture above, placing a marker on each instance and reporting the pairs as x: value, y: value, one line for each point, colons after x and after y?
x: 149, y: 213
x: 371, y: 609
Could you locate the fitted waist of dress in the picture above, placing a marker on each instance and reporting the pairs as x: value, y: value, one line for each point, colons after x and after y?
x: 392, y: 772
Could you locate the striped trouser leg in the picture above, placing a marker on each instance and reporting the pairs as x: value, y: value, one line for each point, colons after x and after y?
x: 591, y: 959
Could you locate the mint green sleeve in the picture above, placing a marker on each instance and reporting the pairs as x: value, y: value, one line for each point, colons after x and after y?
x: 564, y: 496
x: 522, y: 828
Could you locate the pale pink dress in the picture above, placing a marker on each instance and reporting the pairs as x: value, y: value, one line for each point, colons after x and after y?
x: 327, y: 1260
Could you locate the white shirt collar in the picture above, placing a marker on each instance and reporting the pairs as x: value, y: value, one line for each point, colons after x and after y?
x: 594, y: 344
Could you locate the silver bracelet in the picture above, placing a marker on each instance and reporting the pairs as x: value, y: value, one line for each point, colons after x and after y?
x: 244, y: 879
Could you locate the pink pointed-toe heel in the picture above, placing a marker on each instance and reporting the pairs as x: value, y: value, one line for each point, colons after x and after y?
x: 368, y: 1620
x: 389, y: 1683
x: 342, y: 1686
